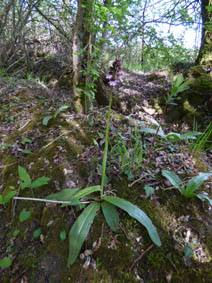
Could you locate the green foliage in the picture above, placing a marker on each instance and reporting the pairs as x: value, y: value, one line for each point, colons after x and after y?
x: 63, y: 235
x: 129, y: 156
x: 26, y: 180
x: 7, y: 197
x: 5, y: 262
x: 149, y: 191
x: 203, y: 142
x: 24, y: 215
x: 171, y: 137
x: 80, y: 229
x: 36, y: 233
x: 48, y: 118
x: 111, y: 215
x: 138, y: 214
x: 192, y: 185
x: 178, y: 85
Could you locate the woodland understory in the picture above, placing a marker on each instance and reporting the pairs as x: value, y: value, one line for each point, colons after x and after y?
x: 91, y: 94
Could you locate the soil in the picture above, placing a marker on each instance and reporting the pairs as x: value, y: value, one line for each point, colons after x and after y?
x: 68, y: 149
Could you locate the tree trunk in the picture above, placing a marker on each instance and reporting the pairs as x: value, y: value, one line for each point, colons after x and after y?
x: 82, y: 48
x: 205, y: 52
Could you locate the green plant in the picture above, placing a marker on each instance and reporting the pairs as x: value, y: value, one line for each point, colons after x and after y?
x: 178, y: 85
x: 5, y: 262
x: 28, y: 183
x: 170, y: 137
x: 107, y: 204
x: 4, y: 146
x: 48, y: 118
x: 129, y: 156
x: 204, y: 141
x: 192, y: 185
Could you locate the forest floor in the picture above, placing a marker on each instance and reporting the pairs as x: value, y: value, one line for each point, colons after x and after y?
x: 68, y: 149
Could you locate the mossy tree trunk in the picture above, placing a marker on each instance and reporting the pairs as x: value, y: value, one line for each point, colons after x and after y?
x: 205, y: 52
x: 82, y: 48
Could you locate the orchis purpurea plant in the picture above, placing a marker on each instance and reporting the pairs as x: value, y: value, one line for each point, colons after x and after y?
x: 178, y: 85
x: 192, y: 185
x: 108, y: 204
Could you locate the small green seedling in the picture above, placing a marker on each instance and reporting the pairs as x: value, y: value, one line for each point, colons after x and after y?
x: 48, y: 118
x: 26, y: 180
x: 192, y: 185
x: 7, y: 197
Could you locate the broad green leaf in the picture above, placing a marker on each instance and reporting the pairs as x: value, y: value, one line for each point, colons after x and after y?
x: 204, y: 197
x: 87, y: 191
x: 40, y: 182
x: 195, y: 183
x: 64, y: 107
x: 153, y: 131
x: 63, y: 235
x: 46, y: 120
x: 1, y: 199
x: 79, y: 231
x: 64, y: 195
x: 24, y: 176
x: 138, y: 214
x: 36, y: 233
x: 111, y: 215
x: 5, y: 262
x: 24, y: 215
x: 190, y: 135
x: 8, y: 197
x: 173, y: 178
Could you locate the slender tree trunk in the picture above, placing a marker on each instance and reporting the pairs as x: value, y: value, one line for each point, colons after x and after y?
x: 82, y: 48
x: 205, y: 52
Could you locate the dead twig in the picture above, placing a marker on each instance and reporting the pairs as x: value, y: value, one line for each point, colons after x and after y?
x: 140, y: 257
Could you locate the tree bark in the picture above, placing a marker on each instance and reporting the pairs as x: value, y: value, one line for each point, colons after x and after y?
x: 82, y: 48
x: 205, y: 52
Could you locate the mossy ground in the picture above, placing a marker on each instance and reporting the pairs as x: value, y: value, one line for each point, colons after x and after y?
x: 69, y: 151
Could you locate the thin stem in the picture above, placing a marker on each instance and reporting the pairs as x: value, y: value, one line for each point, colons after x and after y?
x: 49, y: 200
x: 104, y: 163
